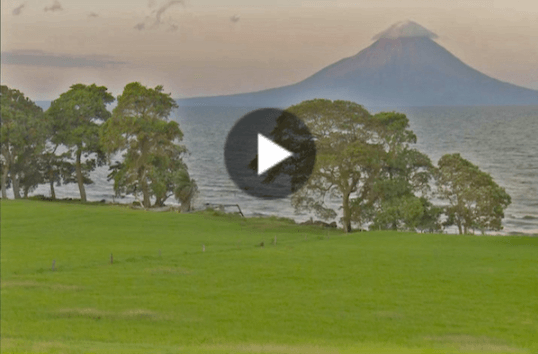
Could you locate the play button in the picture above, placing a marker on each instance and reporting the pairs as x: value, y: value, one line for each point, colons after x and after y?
x: 269, y: 153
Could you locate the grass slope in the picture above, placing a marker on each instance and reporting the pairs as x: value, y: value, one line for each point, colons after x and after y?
x: 313, y: 292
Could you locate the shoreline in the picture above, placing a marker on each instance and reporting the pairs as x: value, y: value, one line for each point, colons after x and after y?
x: 313, y: 222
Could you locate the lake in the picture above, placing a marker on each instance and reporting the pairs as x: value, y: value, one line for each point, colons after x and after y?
x: 502, y: 141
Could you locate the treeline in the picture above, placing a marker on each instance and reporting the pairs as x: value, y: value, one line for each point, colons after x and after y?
x: 77, y: 133
x: 368, y: 163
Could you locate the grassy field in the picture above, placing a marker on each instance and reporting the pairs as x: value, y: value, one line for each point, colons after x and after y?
x: 314, y: 292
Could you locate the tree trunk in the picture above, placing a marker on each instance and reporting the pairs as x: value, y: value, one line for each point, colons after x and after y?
x: 159, y: 202
x: 459, y: 227
x: 185, y: 207
x: 52, y: 191
x: 147, y: 201
x: 26, y: 191
x: 80, y: 178
x: 4, y: 182
x: 145, y: 192
x: 16, y: 189
x: 347, y: 213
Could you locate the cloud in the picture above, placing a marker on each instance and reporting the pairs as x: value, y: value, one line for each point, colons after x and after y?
x: 93, y: 14
x: 405, y: 29
x: 46, y: 59
x: 56, y: 6
x: 17, y: 11
x: 235, y: 18
x: 161, y: 10
x: 156, y: 18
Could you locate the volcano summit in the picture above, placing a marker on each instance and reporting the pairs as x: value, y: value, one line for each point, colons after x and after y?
x: 403, y: 67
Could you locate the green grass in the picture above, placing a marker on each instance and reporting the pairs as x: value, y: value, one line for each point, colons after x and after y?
x: 370, y: 292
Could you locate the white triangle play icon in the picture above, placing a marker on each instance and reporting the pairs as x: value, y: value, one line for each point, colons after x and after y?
x: 269, y: 154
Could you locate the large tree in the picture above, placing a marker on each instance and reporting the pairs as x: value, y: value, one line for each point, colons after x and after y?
x: 347, y: 158
x: 399, y: 198
x: 139, y: 128
x: 364, y: 161
x: 23, y: 132
x: 75, y: 119
x: 475, y: 201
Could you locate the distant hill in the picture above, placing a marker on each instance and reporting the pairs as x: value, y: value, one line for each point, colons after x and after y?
x: 403, y: 67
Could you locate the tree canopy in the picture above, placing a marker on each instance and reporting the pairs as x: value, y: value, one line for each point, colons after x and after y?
x: 152, y: 164
x: 75, y: 119
x: 399, y: 198
x: 23, y: 133
x: 363, y: 160
x: 475, y: 201
x: 346, y: 160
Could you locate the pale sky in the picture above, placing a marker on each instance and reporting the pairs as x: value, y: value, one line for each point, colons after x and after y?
x: 211, y: 47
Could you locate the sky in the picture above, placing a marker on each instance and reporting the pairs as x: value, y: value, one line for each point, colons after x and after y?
x: 212, y: 47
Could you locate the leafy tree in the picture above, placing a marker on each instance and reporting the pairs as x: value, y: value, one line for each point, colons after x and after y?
x: 185, y: 189
x: 407, y: 212
x: 429, y: 221
x: 75, y: 122
x: 475, y: 200
x: 31, y: 176
x: 399, y: 194
x: 169, y: 177
x: 347, y: 161
x: 152, y: 154
x: 23, y: 133
x: 56, y: 169
x: 363, y: 160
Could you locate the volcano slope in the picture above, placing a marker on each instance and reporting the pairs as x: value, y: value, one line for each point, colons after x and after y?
x: 403, y: 67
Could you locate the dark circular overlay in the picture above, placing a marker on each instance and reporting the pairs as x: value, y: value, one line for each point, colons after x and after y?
x: 282, y: 128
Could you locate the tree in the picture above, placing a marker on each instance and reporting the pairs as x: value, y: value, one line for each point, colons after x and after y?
x: 152, y: 154
x: 407, y: 212
x: 169, y: 177
x: 31, y: 175
x: 399, y: 198
x: 475, y: 201
x: 363, y: 160
x: 75, y: 119
x: 347, y: 161
x: 23, y: 133
x: 185, y: 189
x: 57, y: 169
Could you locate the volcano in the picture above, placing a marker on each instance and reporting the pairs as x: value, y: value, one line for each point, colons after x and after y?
x: 403, y: 67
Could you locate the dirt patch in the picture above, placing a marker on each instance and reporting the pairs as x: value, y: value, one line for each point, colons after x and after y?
x: 35, y: 284
x: 168, y: 270
x: 97, y: 314
x: 21, y: 346
x: 469, y: 343
x: 272, y: 349
x: 139, y: 313
x: 48, y: 347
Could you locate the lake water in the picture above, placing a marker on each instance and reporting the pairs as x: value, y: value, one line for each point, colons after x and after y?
x: 502, y: 141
